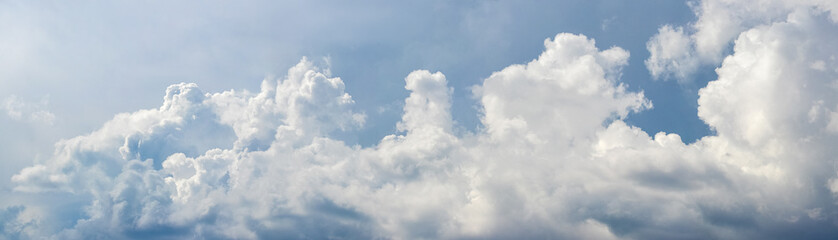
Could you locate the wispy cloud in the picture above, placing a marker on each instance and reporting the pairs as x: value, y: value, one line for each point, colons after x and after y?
x: 19, y: 109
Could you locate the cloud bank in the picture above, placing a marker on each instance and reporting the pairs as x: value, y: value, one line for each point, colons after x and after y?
x: 553, y: 159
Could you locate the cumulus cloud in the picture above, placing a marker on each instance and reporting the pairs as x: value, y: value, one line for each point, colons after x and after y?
x: 553, y: 159
x: 671, y: 54
x: 576, y: 80
x: 677, y: 52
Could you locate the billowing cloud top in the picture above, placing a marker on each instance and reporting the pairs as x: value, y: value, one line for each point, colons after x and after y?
x: 677, y: 52
x: 553, y: 159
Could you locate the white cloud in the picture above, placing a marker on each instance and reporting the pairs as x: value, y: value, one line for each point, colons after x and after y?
x: 767, y: 88
x: 767, y: 102
x: 678, y: 52
x: 554, y: 160
x: 562, y: 96
x: 18, y: 109
x: 671, y: 54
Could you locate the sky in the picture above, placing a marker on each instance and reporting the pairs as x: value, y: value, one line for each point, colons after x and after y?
x: 706, y: 119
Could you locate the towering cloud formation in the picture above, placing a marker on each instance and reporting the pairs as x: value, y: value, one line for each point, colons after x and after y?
x: 553, y: 159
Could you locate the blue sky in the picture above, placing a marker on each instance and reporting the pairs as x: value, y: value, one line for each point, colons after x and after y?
x: 567, y: 96
x: 137, y: 54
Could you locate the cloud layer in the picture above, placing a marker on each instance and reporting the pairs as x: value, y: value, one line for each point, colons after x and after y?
x: 553, y: 159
